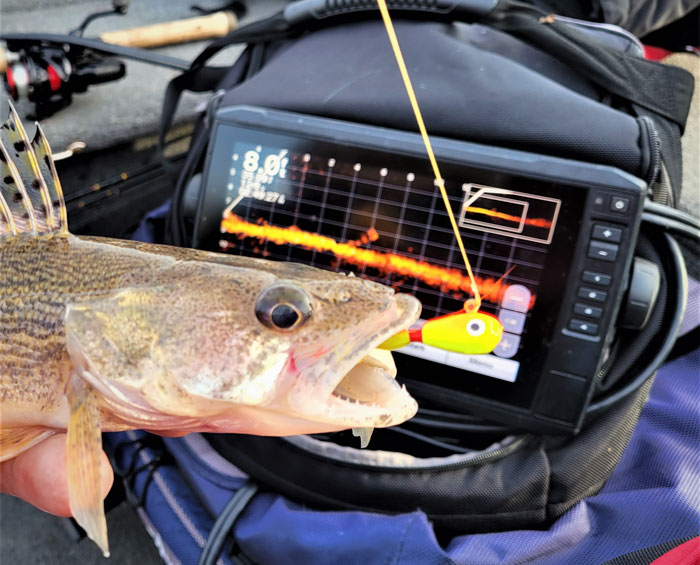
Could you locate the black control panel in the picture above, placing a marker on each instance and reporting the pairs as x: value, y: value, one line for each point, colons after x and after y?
x: 598, y: 278
x: 550, y: 242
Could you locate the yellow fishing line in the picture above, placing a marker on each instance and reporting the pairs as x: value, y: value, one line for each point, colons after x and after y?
x: 474, y: 304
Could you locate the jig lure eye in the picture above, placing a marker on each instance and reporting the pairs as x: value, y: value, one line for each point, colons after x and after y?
x: 476, y: 327
x: 283, y: 306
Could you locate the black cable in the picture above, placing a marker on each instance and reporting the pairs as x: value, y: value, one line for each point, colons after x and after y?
x: 465, y: 418
x: 175, y: 224
x: 303, y: 12
x: 429, y: 440
x: 673, y: 213
x: 673, y: 225
x: 681, y: 294
x: 224, y: 523
x: 460, y: 427
x: 238, y: 8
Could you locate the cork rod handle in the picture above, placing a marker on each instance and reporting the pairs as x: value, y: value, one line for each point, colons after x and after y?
x: 178, y: 31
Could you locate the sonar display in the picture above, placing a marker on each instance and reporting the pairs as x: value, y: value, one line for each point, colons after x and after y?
x: 381, y: 216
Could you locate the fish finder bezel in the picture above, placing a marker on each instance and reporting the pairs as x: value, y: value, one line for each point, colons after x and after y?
x: 589, y: 271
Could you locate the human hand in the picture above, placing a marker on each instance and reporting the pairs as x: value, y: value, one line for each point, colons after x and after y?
x: 38, y: 476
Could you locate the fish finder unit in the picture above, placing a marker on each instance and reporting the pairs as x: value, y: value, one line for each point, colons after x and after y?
x: 550, y: 241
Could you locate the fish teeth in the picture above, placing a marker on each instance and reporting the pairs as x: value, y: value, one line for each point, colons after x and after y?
x: 365, y: 434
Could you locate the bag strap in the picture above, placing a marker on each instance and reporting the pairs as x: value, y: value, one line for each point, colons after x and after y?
x: 661, y: 89
x: 176, y: 232
x: 201, y: 78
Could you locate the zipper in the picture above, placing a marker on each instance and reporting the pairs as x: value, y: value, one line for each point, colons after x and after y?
x: 495, y: 455
x: 611, y: 29
x: 515, y: 445
x: 654, y: 146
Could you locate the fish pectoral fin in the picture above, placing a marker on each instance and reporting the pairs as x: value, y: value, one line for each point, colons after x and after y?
x: 83, y: 455
x: 126, y: 323
x: 14, y: 441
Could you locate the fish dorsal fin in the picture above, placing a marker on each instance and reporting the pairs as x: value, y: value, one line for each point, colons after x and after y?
x: 15, y: 195
x: 7, y: 221
x: 47, y: 168
x: 31, y: 199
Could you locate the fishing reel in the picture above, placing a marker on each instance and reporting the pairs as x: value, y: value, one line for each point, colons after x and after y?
x: 49, y: 74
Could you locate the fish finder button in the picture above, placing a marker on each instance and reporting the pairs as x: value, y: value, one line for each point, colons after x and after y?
x: 592, y: 294
x: 513, y: 322
x: 603, y: 251
x: 606, y: 233
x: 586, y: 310
x: 619, y: 204
x: 508, y: 346
x: 584, y: 327
x: 516, y: 297
x: 596, y: 278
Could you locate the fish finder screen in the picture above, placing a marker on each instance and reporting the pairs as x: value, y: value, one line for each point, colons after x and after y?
x: 379, y: 214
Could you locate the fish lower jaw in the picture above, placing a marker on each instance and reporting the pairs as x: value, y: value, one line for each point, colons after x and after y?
x: 368, y: 395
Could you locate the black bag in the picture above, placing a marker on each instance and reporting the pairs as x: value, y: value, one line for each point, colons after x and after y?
x: 515, y: 78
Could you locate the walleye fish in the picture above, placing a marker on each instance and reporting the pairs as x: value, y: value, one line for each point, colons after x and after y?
x: 105, y: 335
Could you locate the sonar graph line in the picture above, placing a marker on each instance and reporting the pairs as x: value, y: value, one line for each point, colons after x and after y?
x: 491, y: 199
x: 535, y: 222
x: 447, y: 280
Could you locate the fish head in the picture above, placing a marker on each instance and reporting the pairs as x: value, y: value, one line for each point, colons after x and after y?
x: 273, y: 351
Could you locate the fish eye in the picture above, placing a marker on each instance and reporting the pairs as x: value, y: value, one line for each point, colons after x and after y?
x: 283, y: 306
x: 476, y: 327
x: 285, y: 316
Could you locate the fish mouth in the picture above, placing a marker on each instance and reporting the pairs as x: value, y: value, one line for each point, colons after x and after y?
x: 356, y: 386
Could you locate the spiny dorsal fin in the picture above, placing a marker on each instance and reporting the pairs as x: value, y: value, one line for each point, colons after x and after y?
x: 30, y: 187
x: 15, y: 194
x: 7, y: 222
x: 19, y: 148
x: 47, y: 168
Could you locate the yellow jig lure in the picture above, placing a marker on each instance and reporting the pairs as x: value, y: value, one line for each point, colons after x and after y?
x: 474, y: 333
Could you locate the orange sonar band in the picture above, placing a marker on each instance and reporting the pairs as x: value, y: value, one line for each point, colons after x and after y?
x: 535, y: 222
x: 447, y: 280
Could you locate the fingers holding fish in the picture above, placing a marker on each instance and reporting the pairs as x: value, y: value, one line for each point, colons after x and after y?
x: 38, y: 476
